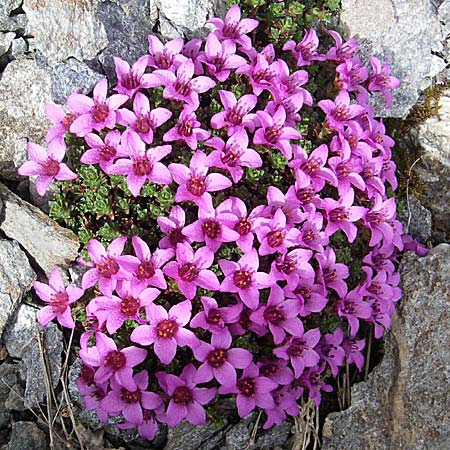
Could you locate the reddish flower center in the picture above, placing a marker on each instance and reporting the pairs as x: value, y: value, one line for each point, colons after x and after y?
x: 175, y: 236
x: 245, y: 321
x: 68, y: 121
x: 242, y: 279
x: 50, y: 166
x: 142, y: 166
x: 188, y: 272
x: 129, y: 306
x: 341, y: 113
x: 376, y: 217
x: 211, y: 228
x: 166, y: 329
x: 197, y: 185
x: 231, y: 30
x: 98, y: 394
x: 338, y: 215
x: 115, y: 359
x: 235, y: 115
x: 163, y: 60
x: 59, y: 301
x: 244, y: 226
x: 296, y: 349
x: 304, y: 292
x: 182, y: 396
x: 349, y: 307
x: 100, y: 112
x: 214, y: 317
x: 130, y: 397
x: 343, y: 170
x: 107, y: 152
x: 305, y: 195
x: 219, y: 63
x: 264, y: 74
x: 87, y: 375
x: 310, y: 166
x: 130, y: 80
x: 247, y: 387
x: 185, y: 127
x: 268, y: 370
x: 143, y: 124
x: 308, y: 235
x: 286, y: 265
x: 274, y: 315
x: 230, y: 156
x: 272, y: 134
x: 217, y: 358
x: 183, y: 87
x: 145, y: 270
x: 107, y: 267
x: 275, y: 238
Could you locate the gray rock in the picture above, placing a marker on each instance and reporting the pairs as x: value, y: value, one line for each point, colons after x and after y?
x: 42, y: 202
x: 71, y: 76
x: 26, y: 435
x: 405, y: 402
x: 19, y: 46
x: 416, y: 219
x: 127, y: 24
x: 24, y: 91
x: 10, y: 22
x: 274, y: 437
x: 64, y: 29
x: 8, y: 379
x: 239, y: 436
x: 430, y: 181
x: 15, y: 398
x: 6, y: 40
x: 16, y: 278
x: 24, y: 338
x: 409, y: 42
x: 184, y: 18
x: 189, y: 437
x: 48, y: 243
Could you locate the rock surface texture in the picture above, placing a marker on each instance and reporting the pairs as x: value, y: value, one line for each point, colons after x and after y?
x: 405, y: 403
x: 47, y: 242
x: 414, y: 44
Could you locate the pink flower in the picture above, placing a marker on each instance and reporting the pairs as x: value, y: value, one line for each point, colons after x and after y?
x: 166, y: 330
x: 61, y: 123
x: 233, y: 28
x: 352, y: 307
x: 111, y: 362
x: 165, y: 56
x: 232, y: 155
x: 97, y: 113
x: 190, y: 270
x: 305, y: 51
x: 132, y: 403
x: 172, y: 226
x: 194, y: 184
x: 219, y: 361
x: 260, y: 73
x: 182, y: 86
x: 59, y: 299
x: 47, y: 165
x: 242, y: 277
x: 186, y: 399
x: 104, y: 152
x: 341, y: 51
x: 143, y: 164
x: 132, y: 80
x: 382, y: 81
x: 187, y: 129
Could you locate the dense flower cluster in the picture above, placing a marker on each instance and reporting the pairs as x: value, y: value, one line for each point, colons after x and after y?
x: 181, y: 302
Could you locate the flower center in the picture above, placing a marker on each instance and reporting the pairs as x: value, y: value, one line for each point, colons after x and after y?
x: 268, y: 370
x: 272, y: 134
x: 115, y: 359
x: 243, y: 226
x: 274, y: 315
x: 145, y: 270
x: 130, y: 397
x: 376, y: 217
x: 129, y: 306
x: 217, y: 358
x: 51, y: 167
x: 87, y: 375
x: 142, y: 166
x: 100, y: 112
x: 219, y: 62
x: 197, y: 185
x: 230, y: 156
x: 338, y: 215
x: 183, y: 87
x: 286, y: 266
x: 107, y: 267
x: 305, y: 195
x: 275, y: 238
x: 107, y: 152
x: 164, y: 60
x: 143, y: 124
x: 185, y: 127
x: 244, y: 320
x: 242, y: 279
x: 296, y: 349
x: 341, y: 113
x: 310, y: 166
x: 247, y: 387
x: 230, y: 30
x: 211, y: 228
x: 214, y: 317
x: 235, y: 115
x: 68, y: 121
x: 175, y: 236
x: 59, y: 302
x: 166, y: 329
x: 308, y: 235
x: 98, y: 394
x: 343, y: 170
x: 188, y: 272
x: 182, y: 396
x: 130, y: 80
